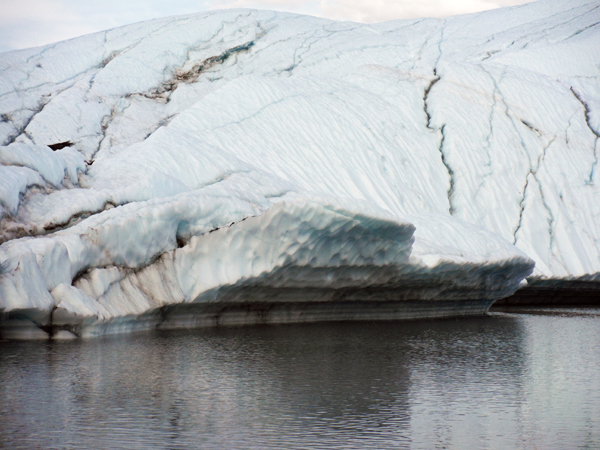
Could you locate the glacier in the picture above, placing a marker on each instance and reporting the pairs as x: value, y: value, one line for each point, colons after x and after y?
x: 247, y: 166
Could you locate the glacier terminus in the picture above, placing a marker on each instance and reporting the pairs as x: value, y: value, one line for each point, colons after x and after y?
x: 243, y: 166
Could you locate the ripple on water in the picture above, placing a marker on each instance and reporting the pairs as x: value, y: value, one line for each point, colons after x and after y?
x: 504, y: 381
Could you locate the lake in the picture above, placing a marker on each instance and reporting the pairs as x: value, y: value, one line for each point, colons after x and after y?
x: 501, y: 381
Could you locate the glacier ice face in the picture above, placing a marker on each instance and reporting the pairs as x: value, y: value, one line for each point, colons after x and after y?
x: 243, y: 155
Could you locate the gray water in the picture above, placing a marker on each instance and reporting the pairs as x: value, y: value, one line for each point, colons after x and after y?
x: 502, y: 381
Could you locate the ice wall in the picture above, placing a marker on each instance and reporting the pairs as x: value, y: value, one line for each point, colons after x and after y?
x: 240, y: 151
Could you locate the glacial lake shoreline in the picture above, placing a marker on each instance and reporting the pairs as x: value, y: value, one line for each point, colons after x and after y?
x: 558, y: 297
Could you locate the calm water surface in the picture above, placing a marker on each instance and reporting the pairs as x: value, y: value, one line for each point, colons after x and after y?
x: 503, y: 381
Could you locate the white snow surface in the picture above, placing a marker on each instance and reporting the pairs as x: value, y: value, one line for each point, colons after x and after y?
x: 241, y: 148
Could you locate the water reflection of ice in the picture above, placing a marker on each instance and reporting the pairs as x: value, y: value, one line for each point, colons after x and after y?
x: 505, y: 381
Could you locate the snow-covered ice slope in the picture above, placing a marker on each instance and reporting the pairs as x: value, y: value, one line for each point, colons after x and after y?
x: 240, y: 155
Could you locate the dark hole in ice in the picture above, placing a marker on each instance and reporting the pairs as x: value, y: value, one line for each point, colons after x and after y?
x: 60, y: 145
x: 528, y: 125
x: 180, y: 242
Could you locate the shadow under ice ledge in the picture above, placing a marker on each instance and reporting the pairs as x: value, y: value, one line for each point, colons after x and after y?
x: 554, y: 294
